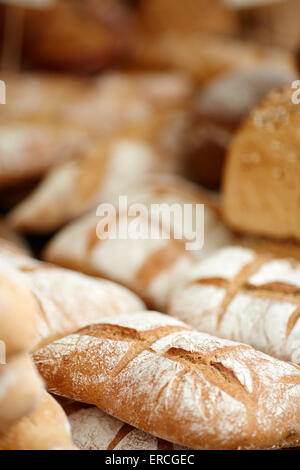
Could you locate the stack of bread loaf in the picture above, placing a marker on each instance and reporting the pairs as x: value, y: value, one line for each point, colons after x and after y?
x: 140, y: 310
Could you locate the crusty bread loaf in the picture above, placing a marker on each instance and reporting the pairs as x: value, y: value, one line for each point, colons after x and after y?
x: 108, y: 167
x: 152, y: 372
x: 20, y: 389
x: 150, y: 266
x: 45, y: 428
x: 262, y: 174
x: 100, y: 105
x: 218, y: 111
x: 80, y: 37
x: 68, y: 300
x: 92, y: 429
x: 246, y: 296
x: 28, y: 150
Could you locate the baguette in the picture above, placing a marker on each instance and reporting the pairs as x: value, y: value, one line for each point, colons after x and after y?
x: 20, y: 389
x: 67, y: 300
x: 245, y: 296
x: 261, y: 180
x: 92, y: 429
x: 177, y: 384
x: 151, y: 267
x: 45, y: 428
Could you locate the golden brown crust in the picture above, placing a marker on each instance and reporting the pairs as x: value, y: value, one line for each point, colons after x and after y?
x: 78, y: 36
x: 165, y: 379
x: 61, y: 300
x: 261, y: 183
x: 92, y: 429
x: 245, y: 295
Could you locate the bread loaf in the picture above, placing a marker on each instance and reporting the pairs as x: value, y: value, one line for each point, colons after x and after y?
x: 199, y: 391
x: 219, y: 110
x: 150, y: 266
x: 80, y: 37
x: 204, y: 56
x: 92, y: 429
x: 109, y: 166
x: 245, y: 296
x: 68, y: 300
x: 28, y: 150
x: 261, y: 181
x: 20, y: 389
x: 45, y: 428
x: 19, y: 312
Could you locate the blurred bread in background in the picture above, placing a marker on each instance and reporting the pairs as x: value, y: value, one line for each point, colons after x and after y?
x: 261, y: 190
x: 219, y: 109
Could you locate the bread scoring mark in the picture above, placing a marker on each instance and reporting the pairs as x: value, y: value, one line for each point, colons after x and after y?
x: 125, y: 429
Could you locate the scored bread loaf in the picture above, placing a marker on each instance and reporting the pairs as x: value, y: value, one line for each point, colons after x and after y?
x: 107, y: 103
x: 245, y: 296
x: 92, y: 429
x: 30, y: 149
x: 261, y: 181
x: 107, y: 167
x: 20, y: 389
x: 149, y: 265
x: 153, y: 372
x: 45, y: 428
x: 67, y: 300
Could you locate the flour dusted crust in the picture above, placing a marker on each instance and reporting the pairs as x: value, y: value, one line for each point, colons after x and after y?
x: 245, y: 295
x: 151, y: 267
x: 107, y: 167
x: 261, y: 182
x: 20, y: 389
x: 92, y: 429
x: 100, y: 105
x: 180, y: 385
x: 67, y: 300
x: 29, y: 149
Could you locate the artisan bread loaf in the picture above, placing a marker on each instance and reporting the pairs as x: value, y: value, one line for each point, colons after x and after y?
x: 67, y: 300
x: 149, y: 265
x: 246, y: 296
x: 45, y: 428
x: 219, y: 109
x: 20, y: 389
x: 107, y: 167
x: 261, y: 188
x: 92, y: 429
x: 152, y: 372
x: 30, y: 149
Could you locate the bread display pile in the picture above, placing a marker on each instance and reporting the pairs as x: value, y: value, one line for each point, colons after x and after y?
x: 170, y: 332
